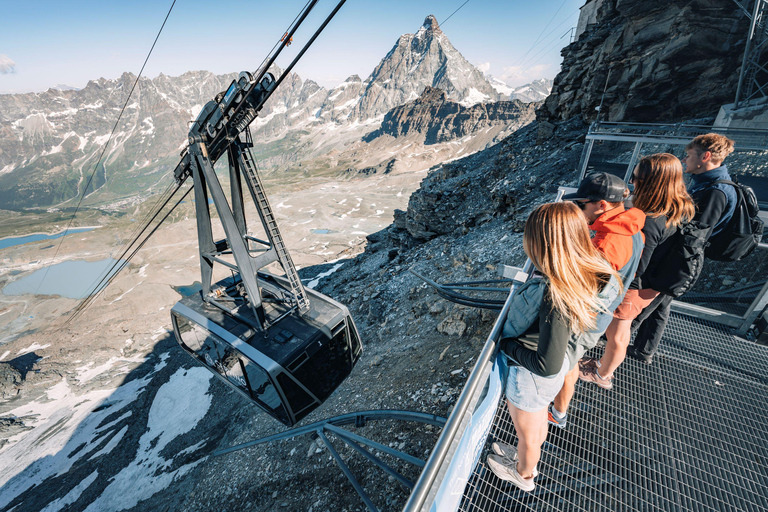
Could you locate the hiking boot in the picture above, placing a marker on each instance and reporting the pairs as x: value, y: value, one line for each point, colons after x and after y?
x: 590, y: 374
x: 635, y: 354
x: 554, y: 421
x: 509, y: 473
x: 508, y: 453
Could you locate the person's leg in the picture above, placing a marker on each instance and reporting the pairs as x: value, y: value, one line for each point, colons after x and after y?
x: 618, y: 336
x: 652, y: 329
x: 646, y: 312
x: 531, y: 428
x: 564, y: 397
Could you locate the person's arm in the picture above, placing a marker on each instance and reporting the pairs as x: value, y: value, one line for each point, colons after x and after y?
x: 547, y: 359
x: 710, y: 206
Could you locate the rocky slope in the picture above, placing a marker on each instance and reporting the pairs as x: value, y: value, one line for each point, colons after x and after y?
x: 660, y: 61
x: 441, y: 120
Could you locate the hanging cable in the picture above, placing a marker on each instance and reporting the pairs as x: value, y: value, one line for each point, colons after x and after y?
x: 526, y: 63
x: 104, y: 150
x: 123, y: 261
x: 454, y: 12
x: 165, y: 198
x: 258, y: 68
x: 110, y: 271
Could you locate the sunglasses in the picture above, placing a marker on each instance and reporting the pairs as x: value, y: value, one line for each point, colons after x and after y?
x: 582, y: 204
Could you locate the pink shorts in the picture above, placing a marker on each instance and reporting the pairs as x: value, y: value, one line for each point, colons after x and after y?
x: 635, y: 301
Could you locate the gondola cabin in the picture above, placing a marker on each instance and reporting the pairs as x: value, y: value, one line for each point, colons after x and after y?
x: 288, y: 370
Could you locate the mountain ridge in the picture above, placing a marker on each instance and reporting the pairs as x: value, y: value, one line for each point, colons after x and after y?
x: 51, y: 141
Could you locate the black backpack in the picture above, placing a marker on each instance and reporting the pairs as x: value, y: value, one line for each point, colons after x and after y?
x: 743, y: 232
x: 682, y: 257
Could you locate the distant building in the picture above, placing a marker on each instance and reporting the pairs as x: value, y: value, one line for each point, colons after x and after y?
x: 588, y: 16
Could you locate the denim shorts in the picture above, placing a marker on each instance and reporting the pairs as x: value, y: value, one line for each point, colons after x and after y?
x: 530, y: 392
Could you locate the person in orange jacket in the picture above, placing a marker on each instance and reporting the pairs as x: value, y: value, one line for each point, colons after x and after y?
x: 619, y: 237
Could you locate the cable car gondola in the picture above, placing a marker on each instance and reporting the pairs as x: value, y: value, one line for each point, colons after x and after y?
x: 288, y: 370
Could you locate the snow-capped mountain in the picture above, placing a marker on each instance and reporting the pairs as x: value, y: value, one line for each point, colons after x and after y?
x: 426, y: 58
x: 538, y: 90
x: 51, y: 141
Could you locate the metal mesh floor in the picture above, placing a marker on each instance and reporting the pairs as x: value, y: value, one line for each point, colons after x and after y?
x: 686, y: 433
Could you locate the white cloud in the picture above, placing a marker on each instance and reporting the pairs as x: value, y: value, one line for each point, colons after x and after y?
x: 519, y: 75
x: 484, y: 67
x: 6, y: 65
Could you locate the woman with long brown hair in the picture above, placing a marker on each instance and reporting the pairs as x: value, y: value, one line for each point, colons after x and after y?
x: 560, y: 302
x: 660, y: 193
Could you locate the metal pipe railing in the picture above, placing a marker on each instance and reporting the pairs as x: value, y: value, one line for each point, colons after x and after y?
x: 438, y: 455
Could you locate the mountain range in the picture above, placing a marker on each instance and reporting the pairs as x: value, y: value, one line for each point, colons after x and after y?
x: 50, y: 142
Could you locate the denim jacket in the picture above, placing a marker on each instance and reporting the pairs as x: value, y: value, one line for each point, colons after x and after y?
x: 524, y: 311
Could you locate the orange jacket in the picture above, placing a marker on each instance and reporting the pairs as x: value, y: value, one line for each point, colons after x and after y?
x: 613, y: 234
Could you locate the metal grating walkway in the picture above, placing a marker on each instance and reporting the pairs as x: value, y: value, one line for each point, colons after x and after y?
x: 689, y: 432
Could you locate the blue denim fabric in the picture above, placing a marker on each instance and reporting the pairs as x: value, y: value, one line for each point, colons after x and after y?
x: 530, y: 392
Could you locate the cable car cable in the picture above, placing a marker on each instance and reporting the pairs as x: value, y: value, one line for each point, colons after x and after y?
x: 454, y: 12
x: 127, y: 260
x: 109, y: 272
x: 128, y: 246
x: 259, y: 67
x: 164, y: 198
x: 104, y: 150
x: 522, y: 58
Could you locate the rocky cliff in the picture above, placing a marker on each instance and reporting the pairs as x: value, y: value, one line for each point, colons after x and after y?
x: 656, y: 61
x: 442, y: 120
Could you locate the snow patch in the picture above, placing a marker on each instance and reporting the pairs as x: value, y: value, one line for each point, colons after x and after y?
x: 32, y: 348
x: 473, y: 97
x: 314, y: 282
x: 88, y: 372
x: 73, y: 495
x: 178, y: 407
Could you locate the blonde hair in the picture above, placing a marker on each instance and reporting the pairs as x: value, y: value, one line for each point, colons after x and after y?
x: 719, y: 145
x: 660, y: 189
x: 556, y: 239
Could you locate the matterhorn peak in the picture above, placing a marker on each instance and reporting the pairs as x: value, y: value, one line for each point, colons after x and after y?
x: 430, y: 23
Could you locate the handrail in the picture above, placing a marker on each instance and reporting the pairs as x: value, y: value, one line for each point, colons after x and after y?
x: 437, y: 457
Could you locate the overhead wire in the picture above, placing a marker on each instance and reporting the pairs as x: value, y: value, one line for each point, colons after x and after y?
x: 104, y: 150
x: 164, y: 199
x: 526, y: 63
x: 454, y: 12
x: 536, y: 41
x: 125, y: 260
x: 258, y: 68
x: 534, y: 59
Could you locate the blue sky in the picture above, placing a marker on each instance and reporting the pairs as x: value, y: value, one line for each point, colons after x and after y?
x: 49, y: 42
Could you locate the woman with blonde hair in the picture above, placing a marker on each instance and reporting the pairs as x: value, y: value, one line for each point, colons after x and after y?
x: 660, y: 193
x: 561, y: 301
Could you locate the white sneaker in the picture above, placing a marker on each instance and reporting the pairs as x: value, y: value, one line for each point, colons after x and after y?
x: 509, y: 473
x: 509, y: 455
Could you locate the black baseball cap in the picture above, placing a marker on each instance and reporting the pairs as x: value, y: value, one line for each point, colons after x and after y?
x: 599, y: 186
